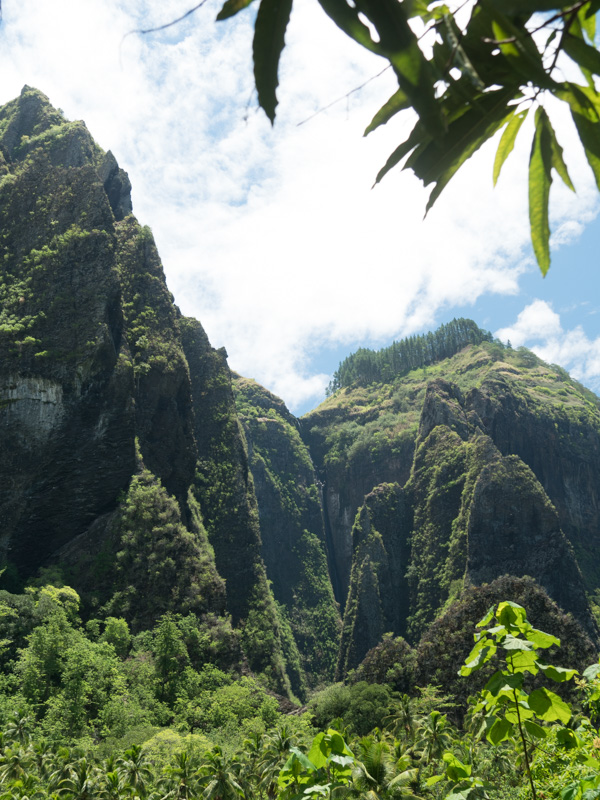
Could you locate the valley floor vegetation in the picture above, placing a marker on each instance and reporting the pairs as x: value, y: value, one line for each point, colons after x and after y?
x: 92, y: 711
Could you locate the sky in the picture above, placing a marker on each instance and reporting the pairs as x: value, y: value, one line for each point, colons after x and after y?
x: 272, y: 236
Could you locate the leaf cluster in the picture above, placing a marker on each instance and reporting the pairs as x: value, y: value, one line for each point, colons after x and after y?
x: 467, y: 76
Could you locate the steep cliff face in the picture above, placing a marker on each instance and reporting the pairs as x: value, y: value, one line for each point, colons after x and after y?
x: 473, y: 508
x: 113, y: 450
x: 292, y: 527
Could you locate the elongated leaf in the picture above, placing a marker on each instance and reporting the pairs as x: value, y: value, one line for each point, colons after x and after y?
x: 540, y: 179
x: 558, y: 163
x: 347, y: 19
x: 269, y: 39
x: 593, y: 8
x: 416, y: 137
x: 517, y: 46
x: 587, y: 22
x: 231, y: 7
x: 465, y: 136
x: 397, y: 102
x: 401, y: 47
x: 583, y: 54
x: 549, y: 706
x: 507, y: 142
x: 585, y: 110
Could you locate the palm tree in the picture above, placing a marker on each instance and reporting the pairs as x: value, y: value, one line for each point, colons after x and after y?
x: 403, y: 722
x: 218, y: 778
x: 378, y: 776
x: 18, y: 726
x: 82, y: 783
x: 184, y: 776
x: 434, y: 735
x: 135, y: 769
x: 15, y: 764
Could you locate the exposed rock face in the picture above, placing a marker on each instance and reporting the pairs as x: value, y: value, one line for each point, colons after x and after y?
x: 92, y: 369
x: 473, y: 508
x: 122, y: 446
x: 292, y: 529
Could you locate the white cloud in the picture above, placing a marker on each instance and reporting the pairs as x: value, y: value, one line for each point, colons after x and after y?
x: 539, y: 327
x: 272, y: 237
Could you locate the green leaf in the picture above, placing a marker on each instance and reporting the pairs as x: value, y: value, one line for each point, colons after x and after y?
x: 400, y: 46
x: 511, y: 614
x: 540, y: 179
x: 585, y: 110
x: 592, y: 672
x: 416, y: 137
x: 517, y: 46
x: 524, y: 661
x: 397, y: 102
x: 534, y: 729
x: 479, y: 655
x: 456, y: 770
x: 511, y: 642
x: 567, y: 738
x: 549, y: 706
x: 541, y: 639
x: 500, y: 730
x: 557, y: 674
x: 347, y: 19
x: 583, y: 54
x: 489, y: 616
x: 269, y: 39
x: 231, y: 7
x: 439, y: 162
x: 507, y: 142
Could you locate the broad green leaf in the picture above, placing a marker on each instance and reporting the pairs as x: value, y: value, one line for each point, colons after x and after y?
x: 511, y: 614
x: 591, y: 672
x: 296, y: 763
x: 479, y: 655
x: 535, y: 730
x: 571, y: 792
x: 549, y: 706
x: 557, y: 674
x: 567, y: 738
x: 524, y: 713
x: 503, y: 682
x: 417, y: 137
x: 269, y: 38
x: 511, y: 642
x: 231, y: 7
x: 500, y: 730
x: 456, y: 770
x: 524, y: 661
x: 540, y: 179
x: 507, y: 142
x: 397, y: 102
x: 489, y: 616
x: 585, y: 110
x: 542, y: 639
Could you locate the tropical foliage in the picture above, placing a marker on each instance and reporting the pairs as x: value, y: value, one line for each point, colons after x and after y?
x: 468, y: 70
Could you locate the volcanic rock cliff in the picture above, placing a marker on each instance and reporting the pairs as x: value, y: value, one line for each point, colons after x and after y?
x: 157, y: 481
